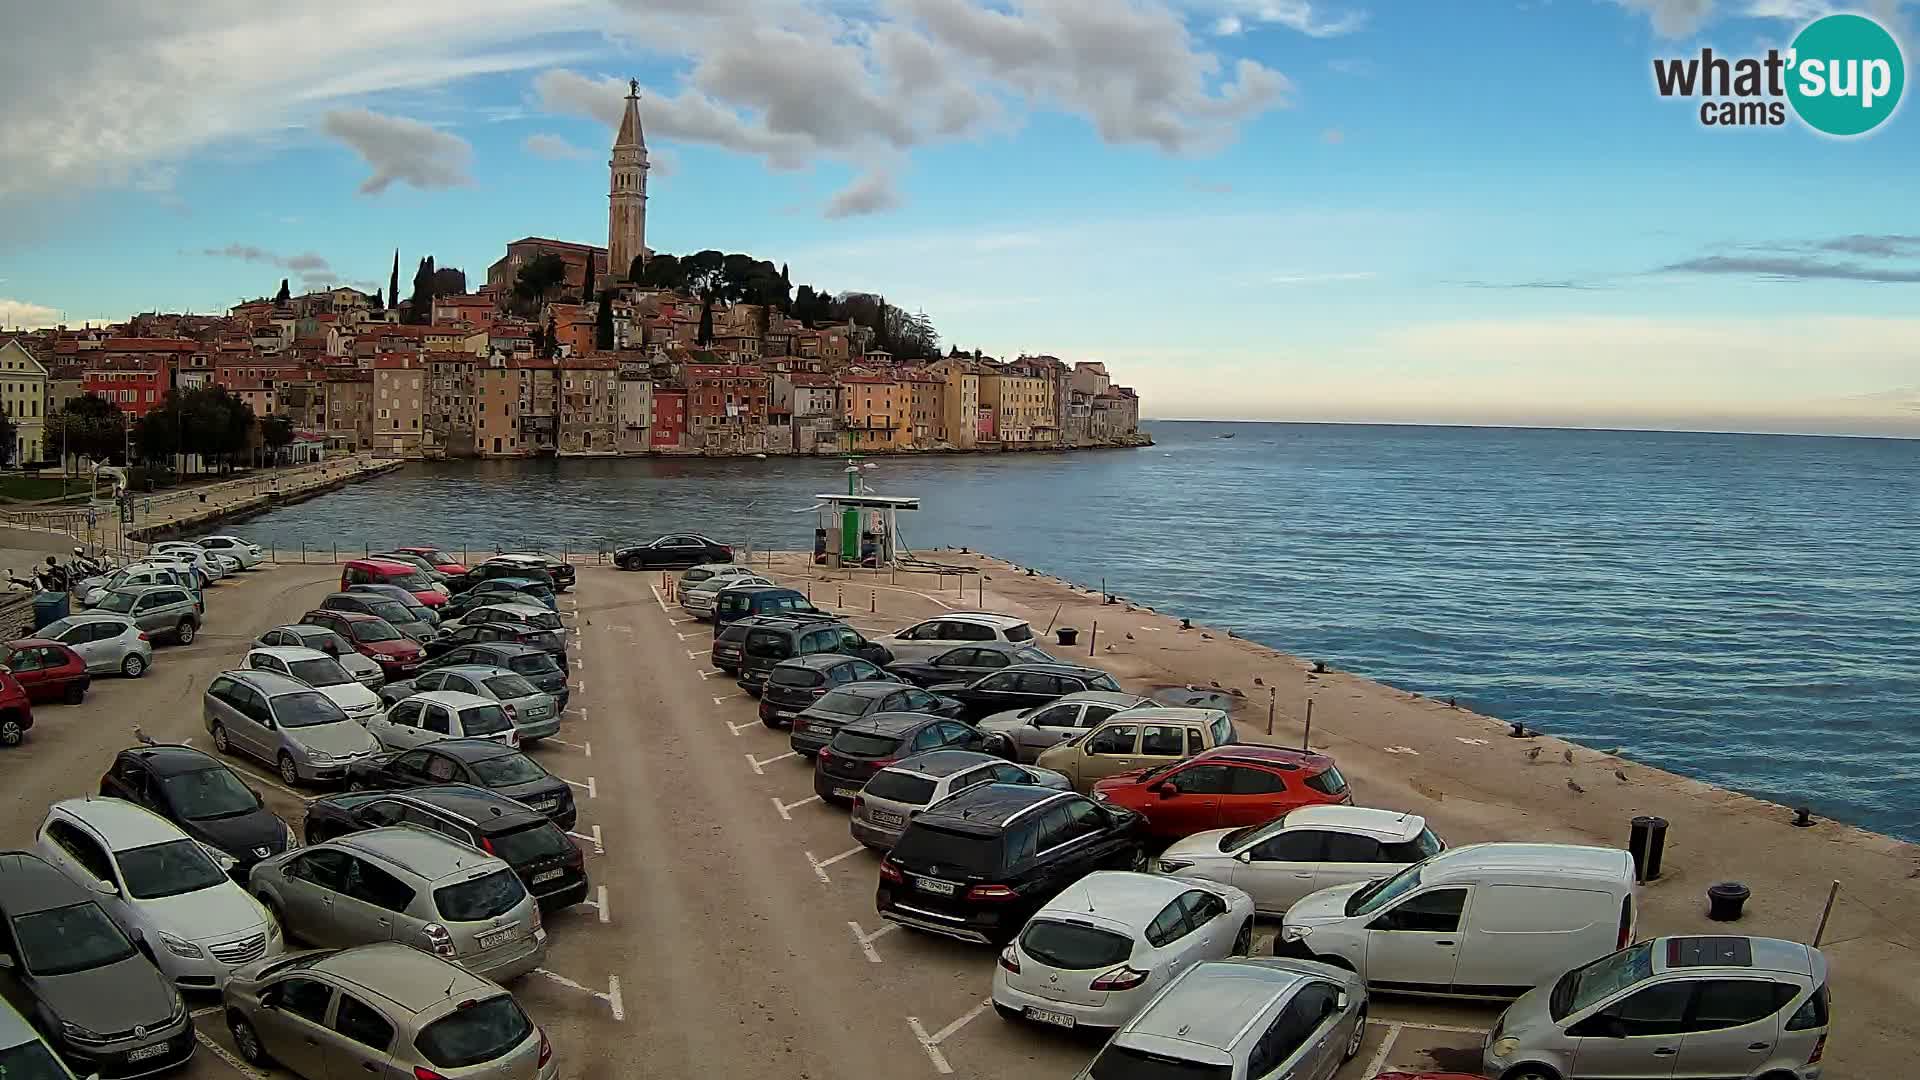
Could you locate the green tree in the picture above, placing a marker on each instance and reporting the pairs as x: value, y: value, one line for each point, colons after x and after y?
x: 536, y: 277
x: 89, y: 426
x: 661, y: 272
x: 393, y: 283
x: 552, y: 344
x: 449, y: 281
x: 276, y: 434
x: 283, y: 295
x: 9, y: 435
x: 603, y: 323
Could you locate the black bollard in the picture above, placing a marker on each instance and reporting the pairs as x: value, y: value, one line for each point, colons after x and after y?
x: 1647, y: 842
x: 1803, y: 818
x: 1725, y: 901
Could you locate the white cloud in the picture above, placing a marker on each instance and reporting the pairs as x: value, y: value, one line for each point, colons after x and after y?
x: 872, y: 193
x: 312, y: 268
x: 1678, y: 18
x: 1302, y: 16
x: 401, y: 150
x: 21, y: 315
x: 554, y: 148
x: 1672, y: 18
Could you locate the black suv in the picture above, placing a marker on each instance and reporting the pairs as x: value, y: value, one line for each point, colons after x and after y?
x: 867, y: 745
x: 795, y: 684
x: 530, y: 662
x: 205, y: 798
x: 1024, y: 686
x: 480, y: 762
x: 773, y: 638
x: 469, y: 632
x: 815, y: 725
x: 547, y: 860
x: 978, y: 865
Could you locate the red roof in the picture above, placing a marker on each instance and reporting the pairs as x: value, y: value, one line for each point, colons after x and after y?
x: 132, y: 344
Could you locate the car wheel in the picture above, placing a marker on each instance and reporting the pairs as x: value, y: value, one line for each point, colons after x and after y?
x: 1243, y: 942
x: 76, y: 693
x: 289, y: 772
x: 1530, y: 1072
x: 220, y: 739
x: 1359, y: 1036
x: 11, y: 733
x: 184, y: 632
x: 133, y: 667
x: 246, y: 1040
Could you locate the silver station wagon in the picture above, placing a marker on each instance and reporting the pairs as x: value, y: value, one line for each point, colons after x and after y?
x: 284, y: 722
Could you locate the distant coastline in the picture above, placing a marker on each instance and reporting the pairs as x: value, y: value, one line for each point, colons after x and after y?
x: 1913, y: 437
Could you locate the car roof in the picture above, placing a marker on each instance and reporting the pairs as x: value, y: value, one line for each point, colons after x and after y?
x: 482, y: 670
x: 384, y: 564
x: 120, y: 823
x: 142, y: 590
x: 470, y: 749
x: 1118, y: 897
x: 890, y: 723
x: 1560, y: 860
x: 1099, y: 697
x: 819, y: 660
x: 29, y: 883
x: 506, y: 648
x: 1217, y: 1003
x: 511, y: 605
x: 408, y: 977
x: 759, y: 588
x: 476, y: 804
x: 1386, y: 826
x: 937, y: 764
x: 289, y: 653
x: 1171, y: 714
x: 984, y: 809
x: 452, y: 699
x: 34, y: 643
x: 270, y: 683
x: 791, y: 621
x: 1254, y: 753
x: 514, y: 582
x: 304, y: 629
x: 172, y: 759
x: 94, y: 616
x: 870, y: 688
x: 429, y: 854
x: 1077, y: 670
x: 1719, y: 951
x: 349, y: 616
x: 984, y: 618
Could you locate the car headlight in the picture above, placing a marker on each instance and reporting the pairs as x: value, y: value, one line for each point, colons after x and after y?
x: 1173, y: 866
x: 1101, y: 796
x: 79, y: 1034
x: 181, y: 947
x: 1295, y: 933
x: 1505, y: 1046
x: 292, y: 839
x: 318, y: 756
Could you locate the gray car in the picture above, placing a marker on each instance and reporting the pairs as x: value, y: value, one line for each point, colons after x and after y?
x: 94, y: 589
x: 1243, y: 1020
x: 382, y: 1010
x: 903, y: 789
x: 1042, y: 726
x: 412, y: 886
x: 161, y: 610
x: 534, y: 712
x: 419, y: 611
x: 285, y: 723
x: 364, y: 669
x: 1681, y: 1006
x: 105, y: 1008
x: 399, y: 615
x: 108, y: 643
x: 536, y: 615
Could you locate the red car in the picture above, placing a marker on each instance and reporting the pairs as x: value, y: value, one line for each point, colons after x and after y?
x: 1225, y: 788
x: 16, y: 710
x: 48, y: 670
x: 441, y: 561
x: 375, y: 638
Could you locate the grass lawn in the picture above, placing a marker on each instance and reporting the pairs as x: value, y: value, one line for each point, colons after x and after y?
x: 22, y: 488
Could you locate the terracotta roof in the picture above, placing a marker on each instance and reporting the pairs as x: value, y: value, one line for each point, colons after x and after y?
x: 134, y: 344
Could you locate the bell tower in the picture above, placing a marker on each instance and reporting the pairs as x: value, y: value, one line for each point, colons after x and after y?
x: 627, y: 191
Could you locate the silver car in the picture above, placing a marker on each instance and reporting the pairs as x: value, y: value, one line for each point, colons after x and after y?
x: 1678, y: 1006
x: 1043, y: 726
x: 108, y: 643
x: 899, y: 791
x: 409, y: 885
x: 1243, y: 1020
x: 534, y: 712
x: 158, y: 609
x: 94, y: 589
x: 382, y: 1010
x: 285, y: 723
x: 365, y: 670
x: 699, y: 598
x: 536, y: 615
x: 244, y: 552
x: 442, y: 714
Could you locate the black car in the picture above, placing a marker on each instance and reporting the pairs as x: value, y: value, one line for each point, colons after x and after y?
x: 1023, y: 686
x: 468, y: 632
x: 727, y: 651
x: 203, y: 797
x: 672, y: 553
x: 559, y: 569
x: 530, y: 662
x: 487, y: 571
x: 547, y: 860
x: 965, y: 663
x: 74, y: 976
x: 793, y: 685
x: 865, y: 746
x: 774, y: 638
x: 814, y: 726
x: 480, y: 762
x: 978, y: 865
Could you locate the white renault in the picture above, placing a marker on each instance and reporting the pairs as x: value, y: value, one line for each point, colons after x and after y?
x: 171, y: 894
x: 244, y: 552
x: 1304, y: 851
x: 322, y: 672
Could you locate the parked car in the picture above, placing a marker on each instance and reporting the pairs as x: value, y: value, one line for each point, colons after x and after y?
x: 136, y: 575
x: 164, y: 888
x: 815, y: 725
x: 1041, y: 727
x: 502, y: 590
x: 48, y: 670
x: 533, y: 711
x: 398, y: 615
x: 108, y: 643
x: 865, y: 746
x: 323, y: 673
x: 672, y: 552
x: 558, y: 570
x: 896, y: 792
x: 246, y: 553
x: 210, y: 568
x: 1485, y: 920
x: 531, y: 663
x: 546, y: 858
x: 384, y: 1009
x: 478, y: 762
x: 452, y: 571
x: 1306, y: 850
x: 727, y: 652
x: 738, y: 602
x: 469, y: 632
x: 773, y: 639
x: 23, y: 1053
x: 443, y: 714
x: 16, y: 710
x: 1094, y: 955
x: 794, y: 685
x: 416, y: 611
x: 693, y: 575
x: 538, y: 616
x: 364, y: 669
x: 925, y: 640
x: 1242, y: 1018
x: 965, y: 663
x: 413, y: 886
x: 1024, y: 686
x: 1226, y: 787
x: 386, y: 572
x: 699, y: 599
x: 104, y: 1008
x: 1137, y: 738
x: 374, y: 638
x: 161, y: 610
x: 979, y: 865
x: 284, y: 722
x: 200, y: 796
x: 1721, y: 1005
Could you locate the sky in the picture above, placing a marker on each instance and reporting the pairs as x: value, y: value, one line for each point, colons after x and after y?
x: 1368, y: 211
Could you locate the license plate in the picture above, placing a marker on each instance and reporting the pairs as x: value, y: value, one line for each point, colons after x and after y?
x: 886, y: 817
x: 1047, y: 1016
x: 845, y: 792
x: 498, y: 937
x: 147, y: 1052
x: 938, y: 888
x: 548, y: 875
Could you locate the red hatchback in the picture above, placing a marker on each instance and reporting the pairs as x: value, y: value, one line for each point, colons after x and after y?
x: 1225, y: 788
x: 373, y: 637
x: 48, y: 670
x: 16, y: 711
x: 440, y: 560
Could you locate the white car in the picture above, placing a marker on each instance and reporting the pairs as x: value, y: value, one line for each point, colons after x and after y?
x: 699, y: 598
x: 925, y: 640
x: 209, y: 570
x: 432, y: 715
x: 189, y: 553
x: 170, y: 893
x: 323, y: 673
x: 108, y: 643
x: 133, y: 575
x: 1094, y: 955
x: 247, y: 554
x: 1304, y: 851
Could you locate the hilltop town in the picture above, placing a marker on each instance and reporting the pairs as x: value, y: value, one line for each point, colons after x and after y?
x: 566, y: 349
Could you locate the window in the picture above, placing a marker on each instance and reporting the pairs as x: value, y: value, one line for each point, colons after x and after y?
x: 1202, y: 907
x: 1725, y: 1003
x: 1201, y: 780
x: 370, y: 884
x: 1412, y: 850
x: 307, y: 998
x: 1659, y: 1009
x: 1169, y: 926
x: 1287, y: 1033
x: 1434, y: 912
x: 1350, y: 848
x: 1247, y: 781
x: 1057, y: 716
x: 84, y: 849
x: 435, y: 719
x: 1159, y: 740
x: 1115, y: 739
x: 323, y: 867
x: 1298, y: 845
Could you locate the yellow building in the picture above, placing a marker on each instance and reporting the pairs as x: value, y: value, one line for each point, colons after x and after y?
x: 23, y: 396
x: 957, y: 422
x: 878, y: 411
x: 399, y: 406
x: 1021, y: 406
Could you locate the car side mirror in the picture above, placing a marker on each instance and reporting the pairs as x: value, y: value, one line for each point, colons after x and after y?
x: 1245, y: 856
x: 105, y: 888
x: 1340, y: 1000
x: 258, y: 799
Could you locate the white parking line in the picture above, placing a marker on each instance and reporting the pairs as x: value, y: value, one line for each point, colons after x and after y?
x: 759, y: 766
x: 599, y: 847
x: 584, y: 747
x: 785, y: 808
x: 580, y: 662
x: 711, y: 674
x: 588, y: 787
x: 931, y: 1043
x: 621, y: 627
x: 1379, y: 1058
x: 599, y: 904
x: 738, y: 728
x: 221, y: 1052
x: 695, y: 634
x: 661, y: 600
x: 722, y: 699
x: 865, y: 940
x: 820, y: 865
x: 611, y: 997
x: 580, y: 686
x: 578, y: 710
x: 1415, y: 1025
x: 680, y: 622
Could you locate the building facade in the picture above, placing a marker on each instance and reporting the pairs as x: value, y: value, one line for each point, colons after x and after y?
x: 23, y: 395
x: 727, y: 407
x: 399, y: 406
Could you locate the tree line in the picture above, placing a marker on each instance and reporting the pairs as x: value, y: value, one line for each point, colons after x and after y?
x: 207, y: 421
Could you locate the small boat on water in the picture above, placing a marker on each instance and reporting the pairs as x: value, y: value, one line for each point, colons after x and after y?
x: 1228, y: 435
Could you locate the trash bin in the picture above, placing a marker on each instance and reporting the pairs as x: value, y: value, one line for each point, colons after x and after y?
x: 49, y: 607
x: 1066, y: 635
x: 1725, y: 900
x: 1647, y: 842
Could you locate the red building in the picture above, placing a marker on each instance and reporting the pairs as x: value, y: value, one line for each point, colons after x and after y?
x: 669, y: 429
x: 727, y: 406
x: 135, y: 383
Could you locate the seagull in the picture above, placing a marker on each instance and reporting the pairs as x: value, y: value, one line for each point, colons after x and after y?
x: 1620, y: 775
x: 142, y: 737
x: 1615, y: 752
x: 1257, y: 682
x: 1215, y: 683
x: 1129, y: 635
x: 1575, y: 788
x: 1533, y: 754
x: 1567, y: 757
x: 1206, y: 636
x: 1236, y: 692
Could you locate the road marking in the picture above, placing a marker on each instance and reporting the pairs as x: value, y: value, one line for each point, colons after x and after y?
x: 738, y: 728
x: 692, y: 655
x: 783, y: 809
x: 695, y: 634
x: 1379, y: 1058
x: 622, y: 627
x: 580, y: 662
x: 1469, y: 742
x: 272, y: 783
x: 1450, y: 1029
x: 223, y: 1054
x: 865, y: 940
x: 1401, y: 750
x: 599, y: 847
x: 584, y: 747
x: 759, y: 767
x: 722, y: 699
x: 931, y: 1043
x: 680, y: 622
x: 599, y: 905
x: 711, y: 674
x: 588, y: 787
x: 580, y: 685
x: 658, y: 599
x: 820, y: 865
x: 611, y: 997
x: 578, y: 710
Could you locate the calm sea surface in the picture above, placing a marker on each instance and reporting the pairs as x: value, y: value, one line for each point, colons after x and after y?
x: 1744, y: 609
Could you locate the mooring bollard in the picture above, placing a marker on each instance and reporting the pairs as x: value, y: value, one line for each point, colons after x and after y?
x: 1646, y: 842
x: 1726, y: 900
x: 1093, y: 637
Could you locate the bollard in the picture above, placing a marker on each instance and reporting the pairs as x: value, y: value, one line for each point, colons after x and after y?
x: 873, y: 600
x: 1306, y: 737
x: 1647, y: 842
x: 1093, y: 637
x: 1273, y: 696
x: 1803, y: 818
x: 1066, y: 635
x: 1725, y: 901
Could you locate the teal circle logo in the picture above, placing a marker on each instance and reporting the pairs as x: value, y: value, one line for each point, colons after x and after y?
x: 1847, y: 74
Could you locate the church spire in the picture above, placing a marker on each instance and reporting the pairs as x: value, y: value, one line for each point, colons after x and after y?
x: 631, y: 133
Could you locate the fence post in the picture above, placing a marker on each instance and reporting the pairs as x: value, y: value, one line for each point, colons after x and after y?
x: 1306, y: 737
x: 1093, y: 637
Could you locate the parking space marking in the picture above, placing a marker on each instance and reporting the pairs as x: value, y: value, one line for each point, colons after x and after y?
x: 580, y: 686
x: 711, y: 674
x: 584, y: 747
x: 931, y: 1043
x: 721, y: 699
x: 611, y: 997
x: 223, y: 1054
x: 589, y: 787
x: 622, y: 627
x: 578, y: 710
x: 820, y: 865
x: 866, y: 940
x: 599, y: 848
x: 693, y: 655
x: 1379, y: 1059
x: 1414, y: 1025
x: 695, y: 634
x: 661, y: 600
x: 786, y: 808
x: 272, y: 783
x: 599, y: 903
x: 580, y: 662
x: 738, y: 728
x: 681, y: 622
x: 759, y: 766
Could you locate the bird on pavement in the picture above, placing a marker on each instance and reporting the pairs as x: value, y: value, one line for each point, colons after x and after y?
x: 1206, y: 636
x: 1533, y: 754
x: 1567, y: 757
x: 1575, y: 788
x: 1129, y: 635
x: 1257, y: 682
x: 1620, y: 775
x: 1215, y: 683
x: 142, y: 737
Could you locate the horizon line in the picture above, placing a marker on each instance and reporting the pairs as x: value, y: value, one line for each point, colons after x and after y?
x: 1533, y: 427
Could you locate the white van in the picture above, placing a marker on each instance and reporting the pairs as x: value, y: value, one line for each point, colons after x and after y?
x: 1485, y: 920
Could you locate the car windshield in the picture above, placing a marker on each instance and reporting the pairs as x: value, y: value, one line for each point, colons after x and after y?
x: 390, y: 610
x: 506, y: 769
x: 412, y: 581
x: 31, y: 1060
x: 542, y: 840
x: 1118, y: 1062
x: 481, y: 898
x: 842, y: 703
x: 61, y: 941
x: 117, y: 602
x: 484, y: 720
x: 1252, y: 834
x: 1074, y: 946
x: 538, y: 663
x: 509, y: 687
x: 1329, y: 782
x: 863, y: 744
x: 209, y: 793
x: 1383, y: 892
x: 327, y: 672
x: 306, y: 709
x: 367, y: 630
x: 438, y: 557
x: 474, y: 1035
x: 1158, y: 771
x: 169, y: 869
x: 900, y: 787
x: 795, y: 676
x: 541, y: 639
x: 1590, y: 985
x: 924, y: 845
x: 767, y: 644
x: 54, y: 629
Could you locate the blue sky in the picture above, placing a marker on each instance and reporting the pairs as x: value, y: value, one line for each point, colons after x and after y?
x: 1469, y: 212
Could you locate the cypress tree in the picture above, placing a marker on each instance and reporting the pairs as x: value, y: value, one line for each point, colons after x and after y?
x: 603, y: 323
x: 283, y: 295
x: 393, y: 283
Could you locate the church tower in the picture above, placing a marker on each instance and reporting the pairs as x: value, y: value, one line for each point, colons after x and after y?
x: 627, y: 191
